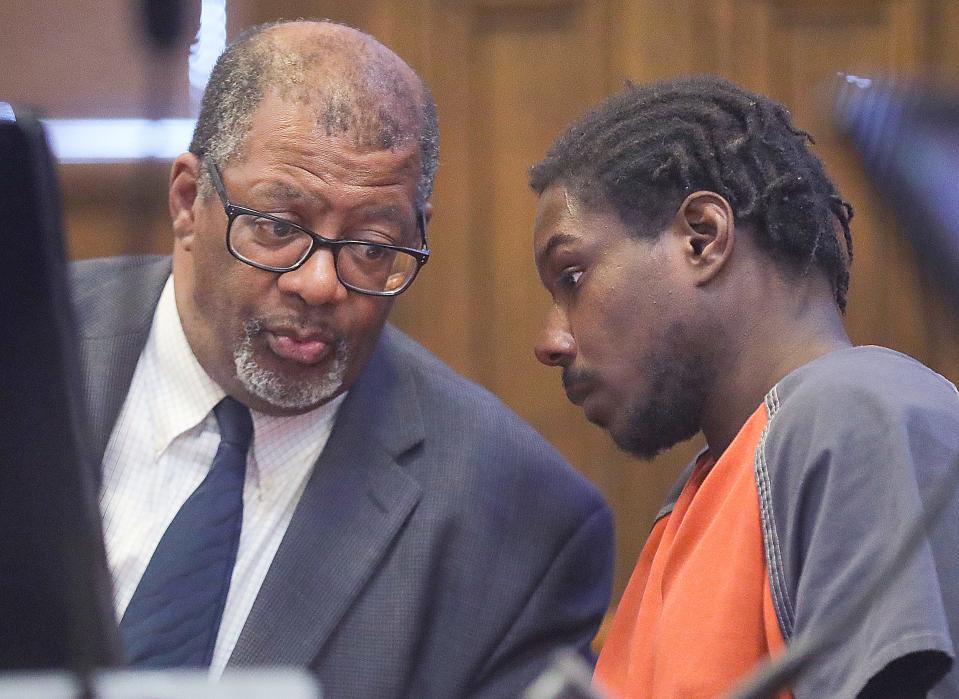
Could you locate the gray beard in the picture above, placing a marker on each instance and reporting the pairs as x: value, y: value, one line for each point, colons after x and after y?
x: 278, y: 390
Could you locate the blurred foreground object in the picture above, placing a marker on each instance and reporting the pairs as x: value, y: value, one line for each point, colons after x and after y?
x: 163, y: 22
x: 277, y: 683
x: 55, y: 599
x: 568, y: 677
x: 908, y: 138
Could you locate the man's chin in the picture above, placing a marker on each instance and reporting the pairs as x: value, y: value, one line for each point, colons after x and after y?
x: 643, y: 449
x: 290, y: 387
x: 647, y: 442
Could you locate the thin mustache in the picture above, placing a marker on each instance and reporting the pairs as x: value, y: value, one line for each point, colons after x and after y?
x: 572, y: 377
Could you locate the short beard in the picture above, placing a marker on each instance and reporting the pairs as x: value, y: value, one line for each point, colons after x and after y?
x: 278, y: 390
x: 673, y: 411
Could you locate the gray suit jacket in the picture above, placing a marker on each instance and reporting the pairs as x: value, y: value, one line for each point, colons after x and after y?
x: 441, y: 547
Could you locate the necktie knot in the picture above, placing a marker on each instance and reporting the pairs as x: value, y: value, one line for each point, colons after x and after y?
x: 235, y: 421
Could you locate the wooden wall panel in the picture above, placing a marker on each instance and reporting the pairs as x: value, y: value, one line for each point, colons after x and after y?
x: 655, y: 40
x: 942, y: 51
x: 116, y: 209
x: 511, y: 117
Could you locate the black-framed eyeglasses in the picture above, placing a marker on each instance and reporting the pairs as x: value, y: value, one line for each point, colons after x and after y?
x: 275, y: 244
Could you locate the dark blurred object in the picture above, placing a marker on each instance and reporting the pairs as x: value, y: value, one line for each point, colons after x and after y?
x: 568, y: 677
x: 908, y: 138
x: 163, y: 22
x: 56, y: 607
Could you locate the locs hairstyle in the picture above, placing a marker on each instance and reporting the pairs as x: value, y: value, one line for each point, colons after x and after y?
x: 645, y: 149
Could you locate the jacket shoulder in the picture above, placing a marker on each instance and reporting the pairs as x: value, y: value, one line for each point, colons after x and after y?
x: 116, y: 295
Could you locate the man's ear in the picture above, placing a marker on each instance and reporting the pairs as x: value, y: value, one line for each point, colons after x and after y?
x: 183, y: 197
x: 706, y: 224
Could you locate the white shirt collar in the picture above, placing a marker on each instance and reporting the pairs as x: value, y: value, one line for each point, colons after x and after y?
x: 185, y: 386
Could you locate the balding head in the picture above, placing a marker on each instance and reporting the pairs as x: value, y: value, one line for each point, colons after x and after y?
x: 352, y: 85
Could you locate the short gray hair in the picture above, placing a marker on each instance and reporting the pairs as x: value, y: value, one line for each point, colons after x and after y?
x: 373, y: 99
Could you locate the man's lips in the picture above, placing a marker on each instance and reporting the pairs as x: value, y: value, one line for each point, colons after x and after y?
x: 576, y: 391
x: 585, y: 396
x: 577, y: 383
x: 302, y: 348
x: 577, y: 394
x: 586, y: 389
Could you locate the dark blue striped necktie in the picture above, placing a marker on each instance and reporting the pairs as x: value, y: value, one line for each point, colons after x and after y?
x: 174, y: 615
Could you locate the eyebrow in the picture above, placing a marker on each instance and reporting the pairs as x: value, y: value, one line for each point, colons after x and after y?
x: 283, y: 192
x: 388, y: 212
x: 554, y: 242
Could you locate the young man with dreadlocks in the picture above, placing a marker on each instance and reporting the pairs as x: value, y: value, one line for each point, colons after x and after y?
x: 697, y: 255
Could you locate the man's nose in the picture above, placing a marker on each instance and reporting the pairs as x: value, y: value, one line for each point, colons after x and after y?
x: 316, y: 281
x: 556, y: 346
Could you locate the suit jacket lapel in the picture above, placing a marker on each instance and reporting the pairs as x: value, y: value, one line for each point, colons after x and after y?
x: 114, y: 318
x: 354, y: 504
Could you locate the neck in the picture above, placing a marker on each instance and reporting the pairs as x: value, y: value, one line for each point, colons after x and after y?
x: 778, y: 339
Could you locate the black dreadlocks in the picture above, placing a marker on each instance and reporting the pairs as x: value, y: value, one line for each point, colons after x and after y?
x: 645, y: 149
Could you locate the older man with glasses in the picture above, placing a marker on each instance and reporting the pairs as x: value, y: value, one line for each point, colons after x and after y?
x: 287, y: 479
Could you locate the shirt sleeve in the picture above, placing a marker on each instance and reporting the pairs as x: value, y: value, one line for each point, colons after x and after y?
x: 853, y: 450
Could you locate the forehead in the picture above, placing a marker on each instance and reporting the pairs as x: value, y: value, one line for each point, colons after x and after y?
x: 563, y: 219
x: 353, y: 82
x: 291, y: 133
